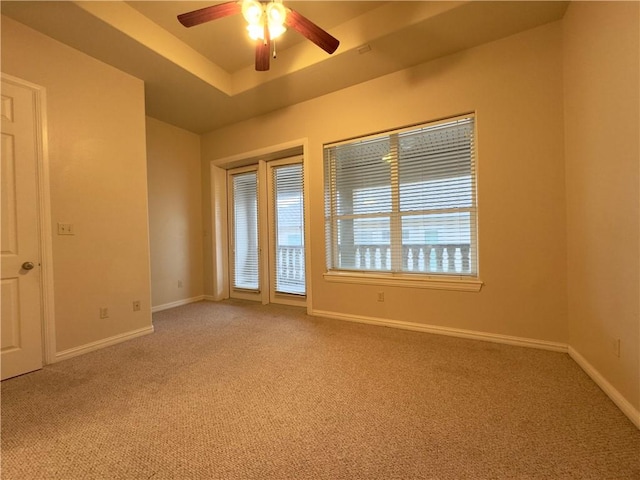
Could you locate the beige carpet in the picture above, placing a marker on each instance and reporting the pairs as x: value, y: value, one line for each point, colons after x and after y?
x: 241, y: 391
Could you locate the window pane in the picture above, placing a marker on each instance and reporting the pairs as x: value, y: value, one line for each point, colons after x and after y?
x: 364, y: 244
x: 372, y: 200
x: 436, y: 194
x: 245, y: 223
x: 441, y: 151
x: 435, y: 167
x: 289, y: 229
x: 371, y: 231
x: 437, y: 243
x: 363, y: 177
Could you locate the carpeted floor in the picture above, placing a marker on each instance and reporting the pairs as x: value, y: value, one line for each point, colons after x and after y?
x: 234, y: 390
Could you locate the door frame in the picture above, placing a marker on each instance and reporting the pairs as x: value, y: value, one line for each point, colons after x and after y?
x: 45, y: 240
x: 266, y: 249
x: 218, y: 198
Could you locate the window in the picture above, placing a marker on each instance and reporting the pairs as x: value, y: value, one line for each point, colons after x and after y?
x: 403, y: 203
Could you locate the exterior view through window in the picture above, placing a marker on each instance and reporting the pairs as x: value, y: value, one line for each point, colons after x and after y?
x: 403, y: 201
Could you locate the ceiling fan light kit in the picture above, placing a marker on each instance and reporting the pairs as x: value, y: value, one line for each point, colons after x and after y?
x: 258, y: 14
x: 266, y: 21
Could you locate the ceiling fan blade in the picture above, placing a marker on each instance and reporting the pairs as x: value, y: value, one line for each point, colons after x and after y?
x: 310, y: 30
x: 209, y: 13
x: 263, y: 50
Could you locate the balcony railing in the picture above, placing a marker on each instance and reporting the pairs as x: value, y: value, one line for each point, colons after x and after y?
x: 453, y: 258
x: 290, y: 277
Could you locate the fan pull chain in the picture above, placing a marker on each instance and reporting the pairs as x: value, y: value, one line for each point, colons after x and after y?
x: 274, y: 49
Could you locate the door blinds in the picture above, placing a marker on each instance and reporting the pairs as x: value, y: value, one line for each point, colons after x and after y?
x: 245, y: 233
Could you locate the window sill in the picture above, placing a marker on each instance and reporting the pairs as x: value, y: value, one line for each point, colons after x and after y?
x: 465, y: 284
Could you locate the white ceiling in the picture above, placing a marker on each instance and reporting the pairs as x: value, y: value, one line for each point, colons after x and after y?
x: 202, y: 78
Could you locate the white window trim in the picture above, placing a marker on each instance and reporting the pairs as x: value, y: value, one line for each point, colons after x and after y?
x: 434, y: 282
x: 402, y: 279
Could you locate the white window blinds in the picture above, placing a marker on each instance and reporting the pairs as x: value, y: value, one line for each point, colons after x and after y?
x: 403, y: 201
x: 288, y: 229
x: 245, y: 231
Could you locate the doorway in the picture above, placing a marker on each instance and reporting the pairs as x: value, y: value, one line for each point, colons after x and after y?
x: 267, y: 232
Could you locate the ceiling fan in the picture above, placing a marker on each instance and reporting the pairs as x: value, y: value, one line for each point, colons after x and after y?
x: 266, y: 21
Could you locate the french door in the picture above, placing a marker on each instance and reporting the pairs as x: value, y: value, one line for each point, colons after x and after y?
x: 266, y: 230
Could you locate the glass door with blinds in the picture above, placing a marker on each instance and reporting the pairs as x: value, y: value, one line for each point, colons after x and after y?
x: 286, y: 232
x: 266, y: 230
x: 244, y: 239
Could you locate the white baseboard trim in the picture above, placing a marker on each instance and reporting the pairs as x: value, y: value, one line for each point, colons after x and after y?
x: 629, y: 410
x: 106, y: 342
x: 177, y: 303
x: 209, y: 298
x: 452, y: 332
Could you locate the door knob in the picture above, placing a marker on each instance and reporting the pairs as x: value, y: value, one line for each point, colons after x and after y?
x: 28, y: 265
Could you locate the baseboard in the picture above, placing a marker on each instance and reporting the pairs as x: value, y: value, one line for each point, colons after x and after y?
x: 178, y: 303
x: 629, y: 410
x: 452, y: 332
x: 106, y: 342
x: 616, y: 397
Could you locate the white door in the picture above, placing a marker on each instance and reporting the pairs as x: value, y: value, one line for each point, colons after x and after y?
x: 21, y: 328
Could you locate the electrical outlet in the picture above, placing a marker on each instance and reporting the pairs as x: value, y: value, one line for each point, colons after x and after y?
x: 381, y: 296
x: 104, y: 312
x: 65, y: 229
x: 136, y: 305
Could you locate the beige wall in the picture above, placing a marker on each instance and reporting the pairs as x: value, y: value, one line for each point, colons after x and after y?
x: 515, y: 87
x: 175, y: 213
x: 601, y: 77
x: 98, y: 183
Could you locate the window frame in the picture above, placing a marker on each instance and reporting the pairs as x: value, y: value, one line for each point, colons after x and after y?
x: 443, y: 281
